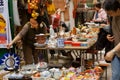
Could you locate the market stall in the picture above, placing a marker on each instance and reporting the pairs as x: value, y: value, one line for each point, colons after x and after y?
x: 79, y: 40
x: 42, y: 69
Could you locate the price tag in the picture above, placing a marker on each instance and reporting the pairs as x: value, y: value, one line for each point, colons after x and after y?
x: 60, y: 42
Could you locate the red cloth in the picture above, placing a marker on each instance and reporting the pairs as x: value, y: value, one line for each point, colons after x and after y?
x: 56, y: 21
x: 29, y: 10
x: 74, y: 13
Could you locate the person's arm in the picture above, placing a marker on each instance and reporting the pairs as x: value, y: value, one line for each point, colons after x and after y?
x: 109, y: 56
x: 110, y: 38
x: 19, y: 35
x: 116, y: 49
x: 13, y: 41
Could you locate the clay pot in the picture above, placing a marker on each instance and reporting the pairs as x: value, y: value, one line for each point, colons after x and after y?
x: 41, y: 38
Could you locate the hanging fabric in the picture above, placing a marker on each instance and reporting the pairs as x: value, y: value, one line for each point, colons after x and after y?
x: 61, y: 5
x: 16, y: 14
x: 66, y: 15
x: 50, y: 8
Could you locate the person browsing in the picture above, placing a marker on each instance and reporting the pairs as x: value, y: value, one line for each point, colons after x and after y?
x: 27, y: 36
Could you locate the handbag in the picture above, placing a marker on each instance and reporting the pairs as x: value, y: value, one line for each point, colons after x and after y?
x: 101, y: 40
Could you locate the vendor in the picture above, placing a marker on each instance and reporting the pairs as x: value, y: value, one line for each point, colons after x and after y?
x: 100, y: 15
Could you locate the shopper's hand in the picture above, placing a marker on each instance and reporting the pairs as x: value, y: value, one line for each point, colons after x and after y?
x: 109, y: 56
x: 110, y: 38
x: 9, y: 45
x: 102, y: 25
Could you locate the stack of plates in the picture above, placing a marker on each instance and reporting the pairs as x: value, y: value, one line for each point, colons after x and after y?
x: 39, y: 45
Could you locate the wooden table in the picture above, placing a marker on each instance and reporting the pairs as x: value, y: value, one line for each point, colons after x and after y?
x: 82, y: 50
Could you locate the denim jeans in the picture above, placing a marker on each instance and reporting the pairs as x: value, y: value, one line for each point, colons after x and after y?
x: 115, y: 68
